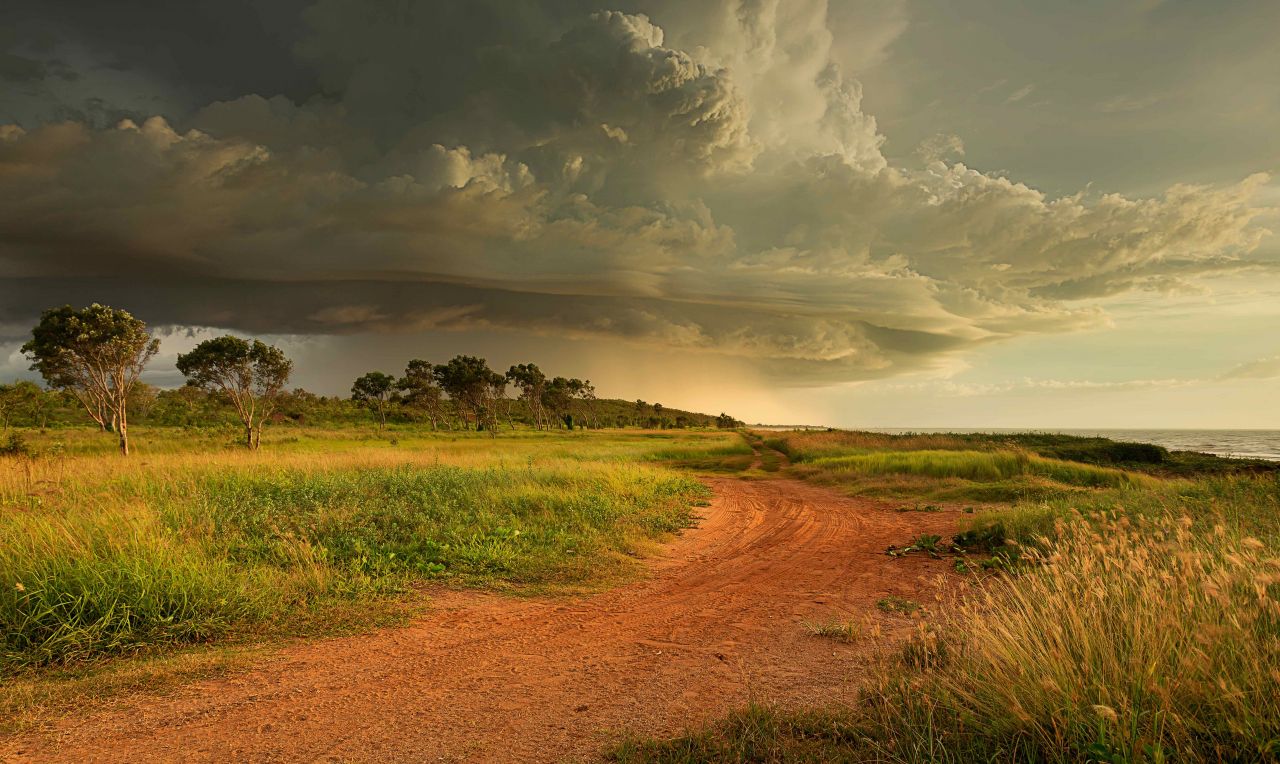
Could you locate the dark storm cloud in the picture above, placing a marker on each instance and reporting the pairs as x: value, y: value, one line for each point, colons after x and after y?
x: 210, y: 49
x: 359, y: 167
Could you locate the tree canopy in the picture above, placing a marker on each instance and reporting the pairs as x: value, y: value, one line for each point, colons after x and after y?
x: 374, y: 389
x: 95, y: 353
x: 251, y: 374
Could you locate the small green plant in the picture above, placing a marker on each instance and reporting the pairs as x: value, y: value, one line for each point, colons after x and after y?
x: 896, y: 604
x: 926, y: 542
x: 981, y: 538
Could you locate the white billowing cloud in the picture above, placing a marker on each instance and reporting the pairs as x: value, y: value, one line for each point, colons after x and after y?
x: 781, y: 55
x: 588, y: 179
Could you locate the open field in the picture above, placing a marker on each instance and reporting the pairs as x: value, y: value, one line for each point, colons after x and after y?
x: 1032, y: 607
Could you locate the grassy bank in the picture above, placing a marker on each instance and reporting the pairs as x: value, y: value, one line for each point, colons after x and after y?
x: 102, y: 557
x: 1141, y: 624
x: 1103, y: 452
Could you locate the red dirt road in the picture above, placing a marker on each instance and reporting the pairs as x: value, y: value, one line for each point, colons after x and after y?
x: 487, y: 678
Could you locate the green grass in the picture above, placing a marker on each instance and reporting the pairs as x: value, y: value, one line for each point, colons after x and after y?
x: 981, y: 466
x: 1239, y: 504
x: 1139, y: 457
x: 732, y: 457
x: 101, y: 557
x: 948, y: 468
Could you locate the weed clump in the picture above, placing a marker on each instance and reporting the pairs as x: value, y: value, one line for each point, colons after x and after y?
x: 895, y: 604
x: 928, y: 543
x: 840, y: 631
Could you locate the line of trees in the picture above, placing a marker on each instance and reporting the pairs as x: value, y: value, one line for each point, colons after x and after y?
x: 467, y: 394
x: 92, y: 358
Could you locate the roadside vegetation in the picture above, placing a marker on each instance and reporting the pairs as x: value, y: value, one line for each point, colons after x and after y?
x: 1119, y: 614
x: 993, y: 469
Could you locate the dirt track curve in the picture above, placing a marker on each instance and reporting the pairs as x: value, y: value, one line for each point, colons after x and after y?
x: 488, y: 678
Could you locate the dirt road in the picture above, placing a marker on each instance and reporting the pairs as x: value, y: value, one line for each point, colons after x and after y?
x: 486, y: 678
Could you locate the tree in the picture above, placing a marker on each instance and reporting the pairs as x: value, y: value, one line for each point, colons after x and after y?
x: 97, y: 354
x: 531, y: 383
x: 472, y: 386
x: 420, y: 392
x: 587, y: 394
x: 39, y: 404
x: 142, y: 400
x: 373, y: 390
x: 557, y: 397
x: 26, y: 401
x: 251, y: 374
x: 13, y: 399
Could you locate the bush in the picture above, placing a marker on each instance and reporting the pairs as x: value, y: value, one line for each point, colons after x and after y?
x: 15, y: 445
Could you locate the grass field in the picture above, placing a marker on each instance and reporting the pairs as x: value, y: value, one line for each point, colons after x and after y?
x: 1136, y: 618
x: 188, y: 542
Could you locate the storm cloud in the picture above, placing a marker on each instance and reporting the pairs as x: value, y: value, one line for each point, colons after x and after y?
x: 684, y: 175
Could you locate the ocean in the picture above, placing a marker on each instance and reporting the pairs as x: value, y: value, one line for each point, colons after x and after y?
x: 1255, y: 444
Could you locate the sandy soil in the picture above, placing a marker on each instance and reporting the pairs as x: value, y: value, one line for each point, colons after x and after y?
x: 719, y: 622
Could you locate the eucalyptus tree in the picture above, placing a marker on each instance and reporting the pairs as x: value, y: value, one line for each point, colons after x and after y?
x: 472, y: 386
x: 587, y: 394
x: 252, y: 374
x: 558, y: 397
x: 374, y: 390
x: 24, y: 400
x: 419, y: 391
x: 531, y: 383
x: 13, y: 399
x: 96, y: 354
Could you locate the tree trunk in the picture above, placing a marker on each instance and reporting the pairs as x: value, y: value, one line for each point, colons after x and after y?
x: 122, y: 427
x: 248, y: 436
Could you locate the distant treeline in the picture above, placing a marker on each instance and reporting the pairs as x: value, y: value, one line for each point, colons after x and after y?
x: 92, y: 359
x: 26, y: 404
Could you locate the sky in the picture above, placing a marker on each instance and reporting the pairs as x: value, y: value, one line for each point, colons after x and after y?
x: 877, y: 213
